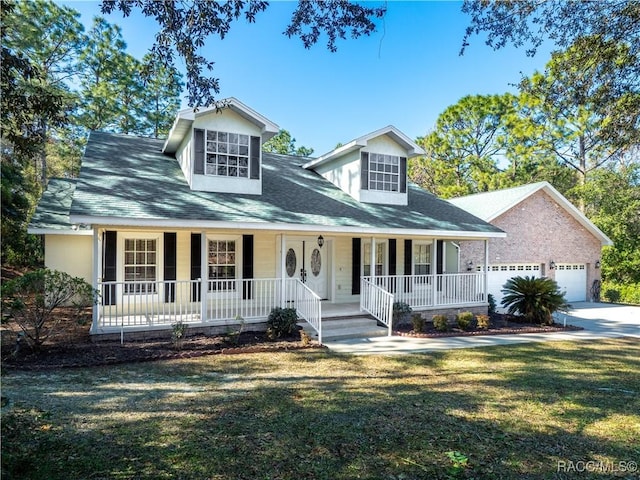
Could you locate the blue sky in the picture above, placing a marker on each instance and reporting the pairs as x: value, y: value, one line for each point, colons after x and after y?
x: 404, y: 75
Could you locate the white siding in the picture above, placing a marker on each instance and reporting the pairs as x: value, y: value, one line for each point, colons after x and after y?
x: 71, y: 254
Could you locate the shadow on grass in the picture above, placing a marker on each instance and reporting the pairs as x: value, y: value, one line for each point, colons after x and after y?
x: 514, y: 412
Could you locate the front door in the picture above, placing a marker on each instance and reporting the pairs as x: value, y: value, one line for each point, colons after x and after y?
x: 307, y: 261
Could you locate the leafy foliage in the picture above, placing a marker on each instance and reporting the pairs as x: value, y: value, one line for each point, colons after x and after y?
x: 464, y: 319
x: 534, y: 298
x: 601, y: 43
x: 464, y: 149
x: 282, y: 322
x: 285, y: 144
x: 483, y: 321
x: 184, y: 28
x: 32, y: 299
x: 440, y: 323
x: 417, y: 321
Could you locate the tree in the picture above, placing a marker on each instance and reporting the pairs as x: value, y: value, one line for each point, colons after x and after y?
x: 285, y: 144
x: 612, y: 199
x: 48, y: 37
x: 103, y: 60
x: 566, y: 120
x: 185, y: 27
x: 534, y: 298
x: 32, y: 299
x: 466, y: 146
x: 594, y: 35
x: 162, y: 88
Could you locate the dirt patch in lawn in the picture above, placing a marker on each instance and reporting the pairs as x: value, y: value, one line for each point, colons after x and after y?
x: 500, y: 325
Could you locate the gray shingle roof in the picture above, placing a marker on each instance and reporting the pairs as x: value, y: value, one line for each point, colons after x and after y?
x: 489, y: 205
x: 53, y: 208
x: 128, y: 177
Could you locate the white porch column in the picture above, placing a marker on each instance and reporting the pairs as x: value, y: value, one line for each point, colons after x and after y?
x: 434, y: 271
x: 283, y: 268
x: 97, y: 274
x: 204, y: 275
x: 486, y: 270
x: 372, y: 259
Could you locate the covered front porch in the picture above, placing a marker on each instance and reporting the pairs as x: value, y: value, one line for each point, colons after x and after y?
x: 143, y: 306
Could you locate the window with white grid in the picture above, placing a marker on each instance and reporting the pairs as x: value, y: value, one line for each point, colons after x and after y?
x: 227, y: 154
x: 140, y: 265
x: 384, y: 172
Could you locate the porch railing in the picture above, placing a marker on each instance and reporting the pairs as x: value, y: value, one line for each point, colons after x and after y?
x: 377, y: 301
x: 307, y: 303
x: 421, y: 291
x: 162, y: 303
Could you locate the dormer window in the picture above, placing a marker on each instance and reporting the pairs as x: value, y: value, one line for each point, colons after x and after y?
x: 227, y: 154
x: 383, y: 172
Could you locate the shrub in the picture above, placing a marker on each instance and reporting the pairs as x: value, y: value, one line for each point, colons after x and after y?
x: 483, y: 322
x: 534, y: 298
x: 33, y: 300
x: 418, y: 322
x: 492, y: 304
x: 282, y: 322
x: 612, y: 295
x: 401, y: 310
x: 464, y: 319
x: 178, y: 331
x: 628, y: 293
x: 440, y: 323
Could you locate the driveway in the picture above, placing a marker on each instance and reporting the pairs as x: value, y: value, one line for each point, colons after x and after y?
x: 599, y: 320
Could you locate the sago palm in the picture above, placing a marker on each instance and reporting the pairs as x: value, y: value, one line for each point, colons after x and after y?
x: 534, y: 298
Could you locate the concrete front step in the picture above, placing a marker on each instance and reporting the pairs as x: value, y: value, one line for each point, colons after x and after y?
x: 356, y: 327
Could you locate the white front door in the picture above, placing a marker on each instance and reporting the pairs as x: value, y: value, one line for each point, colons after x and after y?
x: 307, y: 261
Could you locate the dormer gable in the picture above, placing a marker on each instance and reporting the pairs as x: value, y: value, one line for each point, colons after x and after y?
x: 372, y: 168
x: 220, y: 148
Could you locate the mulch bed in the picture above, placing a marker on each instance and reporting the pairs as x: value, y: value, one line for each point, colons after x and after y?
x: 73, y: 347
x: 500, y: 325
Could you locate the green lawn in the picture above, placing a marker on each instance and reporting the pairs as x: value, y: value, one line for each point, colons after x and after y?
x: 500, y: 412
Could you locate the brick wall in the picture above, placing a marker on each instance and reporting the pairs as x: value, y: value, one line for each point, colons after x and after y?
x: 538, y: 231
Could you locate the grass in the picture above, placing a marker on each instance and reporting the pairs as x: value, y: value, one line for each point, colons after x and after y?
x: 500, y: 412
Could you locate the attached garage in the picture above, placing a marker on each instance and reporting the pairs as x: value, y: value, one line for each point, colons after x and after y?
x: 572, y: 279
x: 499, y: 274
x: 546, y: 234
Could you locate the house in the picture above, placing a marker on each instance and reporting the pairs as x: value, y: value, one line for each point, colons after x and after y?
x: 546, y: 237
x: 206, y: 228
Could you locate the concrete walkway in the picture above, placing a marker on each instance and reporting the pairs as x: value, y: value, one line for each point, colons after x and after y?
x: 599, y: 320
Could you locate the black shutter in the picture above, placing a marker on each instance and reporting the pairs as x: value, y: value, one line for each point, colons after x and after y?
x: 247, y: 265
x: 355, y: 266
x: 169, y: 267
x: 403, y: 174
x: 198, y: 151
x: 408, y: 253
x: 392, y: 257
x: 109, y: 266
x: 393, y: 267
x: 364, y: 171
x: 196, y: 265
x: 440, y: 257
x: 255, y: 158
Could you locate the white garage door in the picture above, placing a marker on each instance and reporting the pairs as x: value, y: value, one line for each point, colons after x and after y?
x: 499, y: 274
x: 572, y: 279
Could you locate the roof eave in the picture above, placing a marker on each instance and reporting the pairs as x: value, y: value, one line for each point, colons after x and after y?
x: 375, y: 231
